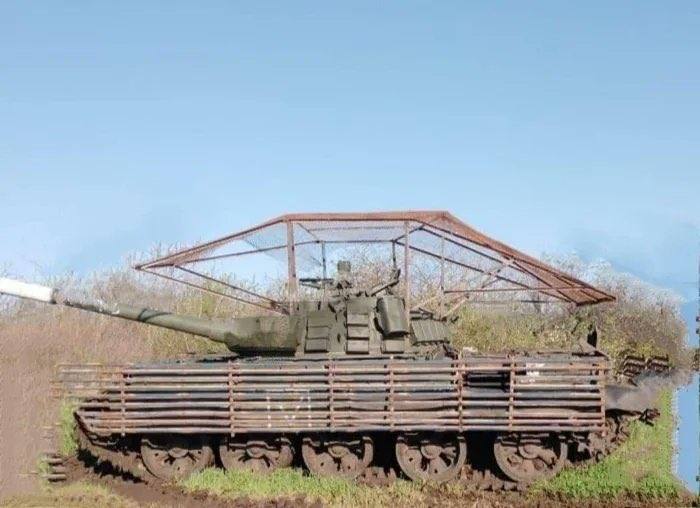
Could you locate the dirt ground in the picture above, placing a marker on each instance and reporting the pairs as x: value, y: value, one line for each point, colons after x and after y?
x: 24, y: 410
x: 29, y: 353
x: 161, y: 495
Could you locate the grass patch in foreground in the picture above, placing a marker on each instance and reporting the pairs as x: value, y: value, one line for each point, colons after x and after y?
x: 290, y: 482
x: 642, y: 466
x: 75, y: 495
x: 67, y: 438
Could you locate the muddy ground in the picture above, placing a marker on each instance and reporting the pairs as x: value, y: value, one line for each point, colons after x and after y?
x: 164, y: 495
x: 167, y: 495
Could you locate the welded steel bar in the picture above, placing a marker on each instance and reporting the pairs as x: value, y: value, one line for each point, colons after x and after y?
x: 280, y: 310
x: 292, y: 282
x: 228, y: 285
x: 406, y: 273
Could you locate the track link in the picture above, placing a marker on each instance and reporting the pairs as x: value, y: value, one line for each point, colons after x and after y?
x: 122, y: 458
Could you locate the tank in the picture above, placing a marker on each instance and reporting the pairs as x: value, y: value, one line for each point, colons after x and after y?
x: 352, y: 382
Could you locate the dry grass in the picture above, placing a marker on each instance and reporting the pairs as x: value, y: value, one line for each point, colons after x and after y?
x: 31, y: 347
x: 35, y: 338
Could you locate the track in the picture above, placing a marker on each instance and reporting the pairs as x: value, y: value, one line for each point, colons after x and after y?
x: 479, y: 474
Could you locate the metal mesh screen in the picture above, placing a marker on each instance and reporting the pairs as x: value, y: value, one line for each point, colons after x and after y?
x: 436, y: 251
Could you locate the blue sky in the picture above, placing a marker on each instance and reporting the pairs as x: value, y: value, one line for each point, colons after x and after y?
x: 553, y: 126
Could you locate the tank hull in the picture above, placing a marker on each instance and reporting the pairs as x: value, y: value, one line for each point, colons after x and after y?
x: 347, y: 416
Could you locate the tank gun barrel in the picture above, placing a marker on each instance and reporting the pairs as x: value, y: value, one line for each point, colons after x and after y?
x: 248, y: 334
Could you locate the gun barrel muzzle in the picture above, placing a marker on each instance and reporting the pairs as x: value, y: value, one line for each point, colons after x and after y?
x: 25, y: 290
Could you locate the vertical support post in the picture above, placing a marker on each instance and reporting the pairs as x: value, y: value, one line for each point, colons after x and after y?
x: 393, y: 254
x: 122, y: 400
x: 600, y: 382
x: 511, y: 392
x: 406, y: 275
x: 291, y: 264
x: 231, y: 401
x: 460, y: 387
x: 325, y: 268
x: 390, y: 370
x: 331, y: 394
x: 442, y: 274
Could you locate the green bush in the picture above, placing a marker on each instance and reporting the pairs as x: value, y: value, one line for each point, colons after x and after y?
x: 644, y: 319
x: 67, y: 431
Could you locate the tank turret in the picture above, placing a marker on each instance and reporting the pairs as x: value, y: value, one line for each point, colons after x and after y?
x: 343, y: 321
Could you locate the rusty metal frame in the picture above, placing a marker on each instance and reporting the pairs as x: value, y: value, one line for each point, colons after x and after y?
x: 514, y: 273
x: 516, y: 393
